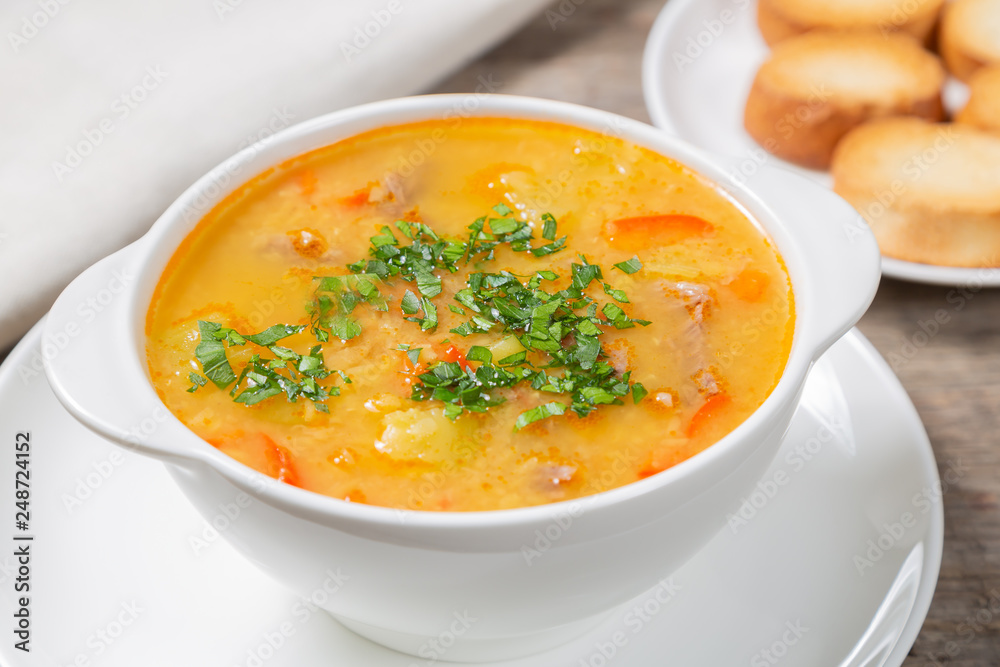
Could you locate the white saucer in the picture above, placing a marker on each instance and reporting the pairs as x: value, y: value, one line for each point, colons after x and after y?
x: 133, y: 563
x: 697, y: 70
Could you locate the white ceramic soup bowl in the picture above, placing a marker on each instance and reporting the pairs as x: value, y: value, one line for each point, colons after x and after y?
x: 452, y: 585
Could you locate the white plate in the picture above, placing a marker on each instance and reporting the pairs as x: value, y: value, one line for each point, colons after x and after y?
x: 700, y: 60
x: 125, y: 573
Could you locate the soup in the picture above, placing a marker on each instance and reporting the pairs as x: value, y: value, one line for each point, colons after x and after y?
x: 470, y: 314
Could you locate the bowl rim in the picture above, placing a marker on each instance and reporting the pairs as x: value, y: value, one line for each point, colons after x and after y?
x: 163, y: 239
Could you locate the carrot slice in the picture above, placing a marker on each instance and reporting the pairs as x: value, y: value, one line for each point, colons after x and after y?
x: 411, y: 371
x: 279, y: 461
x: 410, y: 367
x: 661, y: 460
x: 360, y: 196
x: 452, y: 354
x: 750, y: 285
x: 669, y: 228
x: 307, y: 182
x: 356, y: 496
x: 706, y: 413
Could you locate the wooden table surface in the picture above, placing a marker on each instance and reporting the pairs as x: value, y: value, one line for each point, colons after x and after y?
x: 594, y: 57
x: 590, y: 52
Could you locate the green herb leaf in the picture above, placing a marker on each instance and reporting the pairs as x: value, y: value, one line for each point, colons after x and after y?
x: 597, y: 395
x: 516, y: 358
x: 616, y: 294
x: 613, y: 312
x: 550, y: 248
x: 588, y: 348
x: 630, y: 266
x: 410, y: 303
x: 211, y: 354
x: 196, y: 382
x: 541, y: 412
x: 479, y: 353
x: 501, y: 226
x: 255, y: 395
x: 283, y: 353
x: 584, y: 274
x: 234, y: 338
x: 386, y: 238
x: 344, y: 328
x: 548, y: 227
x: 428, y: 284
x: 430, y: 320
x: 405, y: 227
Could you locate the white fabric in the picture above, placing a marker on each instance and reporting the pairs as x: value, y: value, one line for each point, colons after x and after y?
x: 112, y: 107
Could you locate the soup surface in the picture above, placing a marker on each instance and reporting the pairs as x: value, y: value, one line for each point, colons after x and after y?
x: 470, y: 314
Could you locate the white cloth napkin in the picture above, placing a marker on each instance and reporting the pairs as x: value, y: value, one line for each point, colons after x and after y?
x: 112, y: 107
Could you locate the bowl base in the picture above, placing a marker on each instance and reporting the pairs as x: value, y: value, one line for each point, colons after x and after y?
x: 488, y: 649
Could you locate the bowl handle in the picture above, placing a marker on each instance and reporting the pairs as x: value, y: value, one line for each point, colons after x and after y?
x: 95, y: 368
x: 845, y: 264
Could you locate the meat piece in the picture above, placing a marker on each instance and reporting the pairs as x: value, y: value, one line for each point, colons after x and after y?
x: 665, y: 399
x: 706, y: 382
x: 388, y: 191
x: 296, y: 245
x: 696, y: 299
x: 621, y: 354
x: 308, y: 242
x: 388, y: 194
x: 551, y: 475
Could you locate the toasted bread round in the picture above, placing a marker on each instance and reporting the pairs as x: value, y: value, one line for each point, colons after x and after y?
x: 983, y: 108
x: 816, y: 87
x: 930, y: 192
x: 780, y: 19
x: 970, y: 36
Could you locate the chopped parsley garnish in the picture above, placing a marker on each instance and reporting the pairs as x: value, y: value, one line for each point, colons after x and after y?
x: 288, y: 372
x: 472, y: 390
x: 415, y: 261
x: 559, y: 331
x: 335, y: 298
x: 563, y: 327
x: 488, y: 233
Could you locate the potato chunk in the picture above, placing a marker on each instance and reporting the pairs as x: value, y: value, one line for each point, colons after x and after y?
x: 420, y: 433
x: 506, y: 347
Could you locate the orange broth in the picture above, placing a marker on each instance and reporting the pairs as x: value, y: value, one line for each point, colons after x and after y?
x: 712, y: 287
